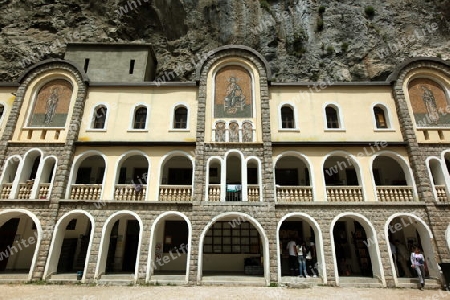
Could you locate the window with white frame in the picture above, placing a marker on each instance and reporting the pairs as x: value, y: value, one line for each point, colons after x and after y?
x: 99, y: 118
x: 332, y: 116
x: 180, y: 118
x: 287, y: 117
x: 381, y: 121
x: 140, y: 118
x: 2, y: 111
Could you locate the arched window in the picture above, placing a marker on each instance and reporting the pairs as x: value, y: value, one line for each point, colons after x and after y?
x: 2, y: 110
x: 99, y: 117
x: 180, y: 118
x: 140, y: 118
x: 287, y: 117
x: 332, y: 117
x: 380, y: 117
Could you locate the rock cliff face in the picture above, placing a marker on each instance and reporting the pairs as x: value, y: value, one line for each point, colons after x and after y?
x: 303, y: 40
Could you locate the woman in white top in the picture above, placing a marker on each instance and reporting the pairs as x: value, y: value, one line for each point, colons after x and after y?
x: 418, y: 264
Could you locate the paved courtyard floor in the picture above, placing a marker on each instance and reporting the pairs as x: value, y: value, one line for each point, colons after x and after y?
x: 73, y: 292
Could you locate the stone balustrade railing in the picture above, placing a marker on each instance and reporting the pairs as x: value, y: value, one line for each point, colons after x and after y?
x: 86, y: 191
x: 25, y: 190
x: 294, y: 194
x: 175, y: 193
x: 253, y: 193
x: 6, y: 190
x: 214, y: 192
x: 44, y: 189
x: 127, y: 192
x: 441, y: 195
x: 395, y: 193
x: 344, y: 194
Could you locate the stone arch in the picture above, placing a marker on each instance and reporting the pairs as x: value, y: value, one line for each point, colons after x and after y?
x: 152, y: 257
x: 7, y: 214
x: 56, y: 243
x: 228, y: 51
x: 354, y: 162
x: 242, y: 217
x: 306, y: 161
x: 403, y: 163
x: 78, y: 160
x: 372, y: 244
x: 106, y: 233
x: 319, y: 243
x: 426, y: 237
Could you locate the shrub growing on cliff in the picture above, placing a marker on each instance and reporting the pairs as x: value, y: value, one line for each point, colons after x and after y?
x: 319, y: 25
x: 370, y: 11
x: 264, y: 4
x: 321, y: 10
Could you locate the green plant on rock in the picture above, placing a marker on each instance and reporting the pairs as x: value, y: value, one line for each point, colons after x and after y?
x: 344, y: 47
x: 330, y: 50
x: 264, y: 4
x: 319, y: 25
x: 321, y: 10
x: 370, y: 11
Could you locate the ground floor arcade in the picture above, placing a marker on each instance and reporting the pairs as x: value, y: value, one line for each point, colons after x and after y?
x: 203, y: 247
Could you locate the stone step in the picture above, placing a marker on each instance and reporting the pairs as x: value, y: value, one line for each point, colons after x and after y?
x: 360, y: 282
x: 63, y: 278
x: 413, y: 283
x: 233, y: 281
x: 116, y: 279
x: 13, y: 278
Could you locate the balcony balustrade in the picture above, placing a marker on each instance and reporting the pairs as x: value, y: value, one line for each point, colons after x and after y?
x: 344, y: 194
x: 214, y: 192
x: 86, y: 192
x: 175, y: 193
x: 44, y: 189
x: 25, y: 190
x: 127, y: 192
x: 6, y: 190
x: 441, y: 195
x: 253, y: 193
x: 294, y: 194
x: 395, y: 193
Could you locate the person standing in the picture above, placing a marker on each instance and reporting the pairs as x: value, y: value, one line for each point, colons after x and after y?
x: 418, y: 263
x: 292, y: 248
x: 302, y: 260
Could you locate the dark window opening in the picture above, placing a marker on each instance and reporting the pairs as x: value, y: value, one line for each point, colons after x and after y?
x: 100, y: 118
x: 380, y: 118
x: 180, y: 176
x: 34, y: 168
x: 140, y: 118
x: 331, y: 177
x: 180, y: 117
x: 287, y: 177
x: 2, y: 110
x: 252, y: 175
x: 132, y: 62
x: 86, y: 64
x: 332, y: 117
x: 175, y: 236
x: 287, y: 117
x: 83, y: 176
x: 122, y: 176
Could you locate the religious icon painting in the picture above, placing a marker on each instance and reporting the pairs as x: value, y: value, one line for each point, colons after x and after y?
x: 429, y: 103
x: 233, y: 93
x: 51, y: 106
